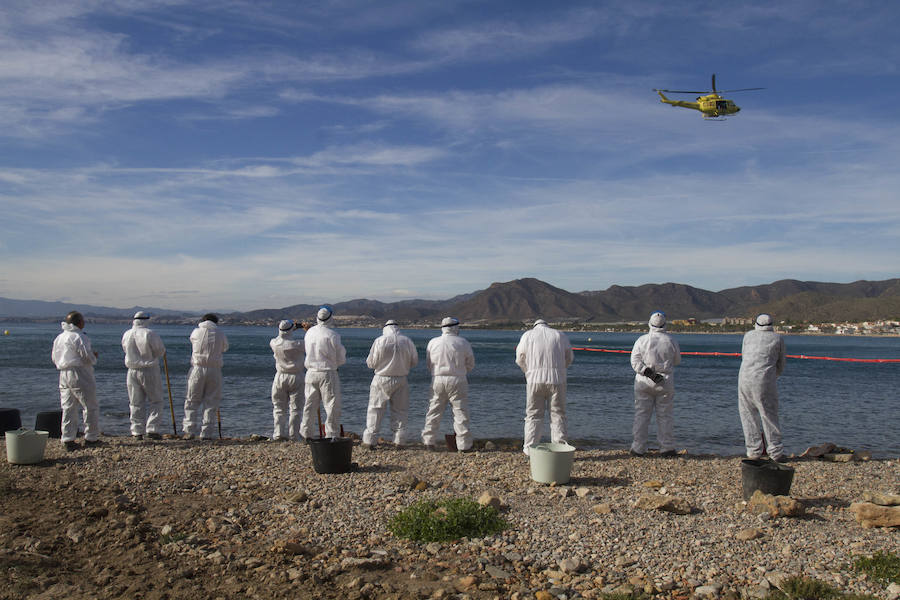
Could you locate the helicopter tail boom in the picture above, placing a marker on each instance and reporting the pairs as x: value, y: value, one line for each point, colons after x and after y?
x: 682, y: 104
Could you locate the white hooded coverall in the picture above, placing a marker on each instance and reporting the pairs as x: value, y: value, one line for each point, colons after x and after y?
x: 287, y: 387
x: 74, y: 358
x: 544, y: 354
x: 143, y: 348
x: 324, y: 354
x: 762, y: 361
x: 391, y: 357
x: 659, y: 351
x: 448, y: 358
x: 204, y: 389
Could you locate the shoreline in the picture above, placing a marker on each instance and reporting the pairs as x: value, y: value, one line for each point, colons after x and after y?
x: 240, y: 518
x: 639, y: 329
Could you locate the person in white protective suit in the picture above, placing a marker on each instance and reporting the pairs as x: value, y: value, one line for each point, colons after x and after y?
x: 448, y: 359
x: 544, y: 354
x: 391, y: 357
x: 75, y: 359
x: 324, y: 354
x: 287, y: 387
x: 143, y: 348
x: 762, y: 362
x: 204, y: 388
x: 654, y: 358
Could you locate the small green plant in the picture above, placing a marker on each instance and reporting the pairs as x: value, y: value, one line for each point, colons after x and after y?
x: 881, y: 565
x: 635, y: 595
x: 803, y: 588
x: 172, y: 537
x: 445, y: 520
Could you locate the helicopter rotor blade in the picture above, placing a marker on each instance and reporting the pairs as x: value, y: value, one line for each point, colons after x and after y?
x: 714, y: 83
x: 681, y: 91
x: 740, y: 90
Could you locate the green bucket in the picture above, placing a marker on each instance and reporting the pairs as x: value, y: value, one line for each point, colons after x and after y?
x: 551, y: 463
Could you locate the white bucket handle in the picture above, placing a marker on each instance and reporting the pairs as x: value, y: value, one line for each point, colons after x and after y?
x: 21, y: 432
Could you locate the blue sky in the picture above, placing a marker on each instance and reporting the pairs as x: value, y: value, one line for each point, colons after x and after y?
x: 240, y: 155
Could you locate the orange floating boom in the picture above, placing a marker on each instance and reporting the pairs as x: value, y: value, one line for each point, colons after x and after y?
x: 738, y: 354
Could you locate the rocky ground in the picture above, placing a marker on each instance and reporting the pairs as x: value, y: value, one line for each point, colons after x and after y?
x: 251, y: 519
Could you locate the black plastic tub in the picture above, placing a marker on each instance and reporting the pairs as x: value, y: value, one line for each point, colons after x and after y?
x: 767, y: 476
x: 49, y: 421
x: 10, y: 419
x: 331, y: 455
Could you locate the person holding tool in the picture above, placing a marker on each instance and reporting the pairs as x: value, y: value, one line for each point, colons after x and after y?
x: 204, y: 388
x: 544, y: 354
x: 449, y: 357
x: 324, y: 354
x: 74, y: 358
x: 654, y: 358
x: 762, y: 362
x: 287, y: 387
x: 143, y: 348
x: 391, y: 357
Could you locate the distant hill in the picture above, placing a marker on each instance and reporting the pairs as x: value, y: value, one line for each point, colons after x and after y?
x: 675, y: 299
x: 529, y: 298
x: 404, y: 310
x: 40, y: 309
x: 522, y: 299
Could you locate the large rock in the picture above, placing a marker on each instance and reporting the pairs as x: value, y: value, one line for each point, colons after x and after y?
x: 377, y: 562
x: 490, y: 499
x: 670, y: 504
x: 774, y: 506
x: 407, y: 480
x: 818, y: 451
x: 874, y: 515
x: 882, y: 498
x: 749, y: 534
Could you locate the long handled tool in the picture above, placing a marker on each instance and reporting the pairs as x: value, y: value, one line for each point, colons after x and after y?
x: 171, y: 404
x: 219, y: 418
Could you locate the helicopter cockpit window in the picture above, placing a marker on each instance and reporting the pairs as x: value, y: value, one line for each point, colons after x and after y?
x: 721, y: 104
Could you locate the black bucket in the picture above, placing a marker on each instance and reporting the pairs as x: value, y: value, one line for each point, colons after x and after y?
x: 767, y: 476
x: 10, y: 419
x: 50, y: 421
x: 331, y: 455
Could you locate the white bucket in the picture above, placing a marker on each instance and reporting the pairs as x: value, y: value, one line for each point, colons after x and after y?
x: 25, y: 447
x: 551, y: 463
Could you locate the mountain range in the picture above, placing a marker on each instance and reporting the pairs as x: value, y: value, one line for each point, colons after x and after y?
x: 529, y: 298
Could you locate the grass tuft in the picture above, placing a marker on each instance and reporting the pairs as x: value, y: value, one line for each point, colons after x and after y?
x: 803, y: 588
x: 881, y: 565
x: 446, y: 520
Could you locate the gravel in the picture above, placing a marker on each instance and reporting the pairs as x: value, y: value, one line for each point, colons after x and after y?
x: 248, y: 518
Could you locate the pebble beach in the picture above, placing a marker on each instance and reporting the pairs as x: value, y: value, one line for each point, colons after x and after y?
x: 249, y: 518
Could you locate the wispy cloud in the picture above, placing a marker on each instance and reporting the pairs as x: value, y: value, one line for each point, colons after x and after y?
x: 247, y: 155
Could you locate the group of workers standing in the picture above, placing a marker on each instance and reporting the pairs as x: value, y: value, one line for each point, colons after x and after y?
x: 306, y: 378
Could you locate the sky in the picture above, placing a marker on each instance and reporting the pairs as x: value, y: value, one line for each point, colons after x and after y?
x: 239, y: 155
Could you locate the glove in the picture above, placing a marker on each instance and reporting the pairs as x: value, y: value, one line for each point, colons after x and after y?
x: 657, y: 378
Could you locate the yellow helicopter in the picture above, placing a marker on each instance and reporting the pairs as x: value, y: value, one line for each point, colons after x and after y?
x: 710, y: 103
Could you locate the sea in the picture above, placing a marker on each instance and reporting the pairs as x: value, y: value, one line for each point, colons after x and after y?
x: 854, y: 405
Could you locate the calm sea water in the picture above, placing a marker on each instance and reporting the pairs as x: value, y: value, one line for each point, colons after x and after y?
x: 854, y: 405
